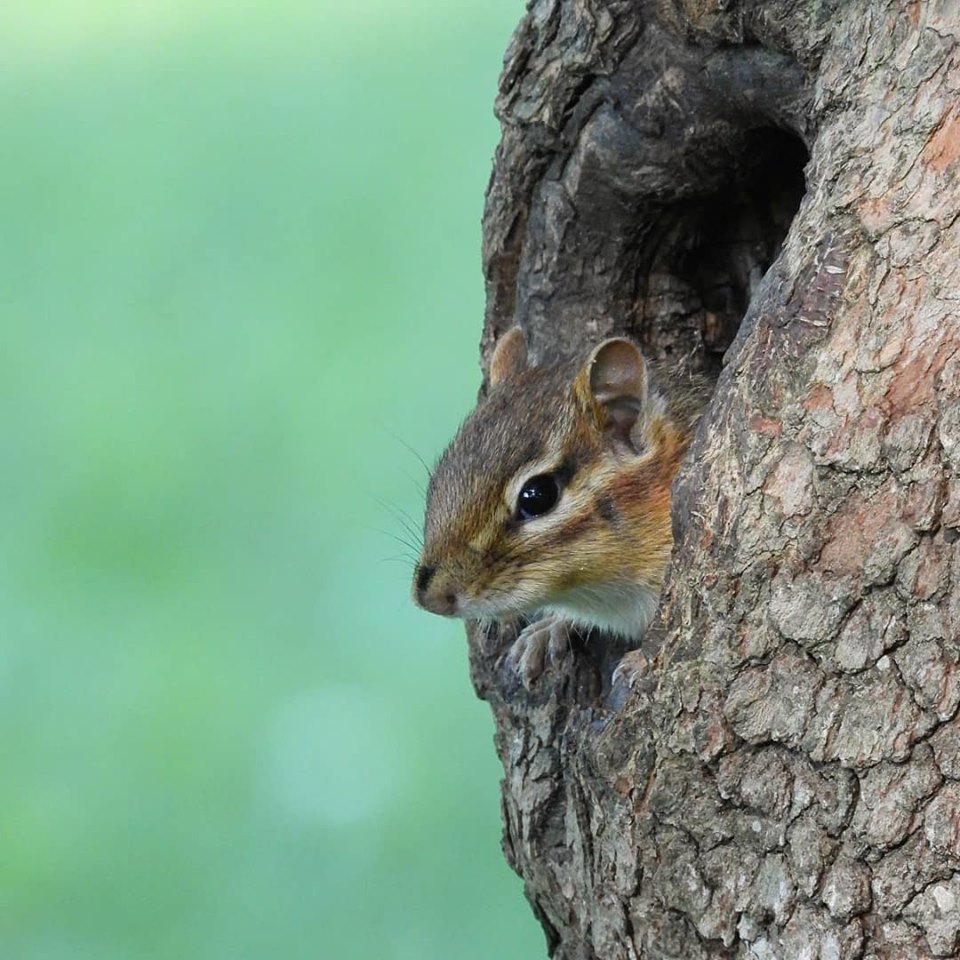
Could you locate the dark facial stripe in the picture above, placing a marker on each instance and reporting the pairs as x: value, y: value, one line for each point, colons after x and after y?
x: 565, y: 472
x: 607, y: 509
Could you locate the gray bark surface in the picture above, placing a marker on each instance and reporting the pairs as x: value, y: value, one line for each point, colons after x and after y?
x: 779, y: 180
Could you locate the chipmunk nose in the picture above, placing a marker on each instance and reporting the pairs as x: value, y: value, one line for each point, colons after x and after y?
x: 425, y: 574
x: 432, y: 595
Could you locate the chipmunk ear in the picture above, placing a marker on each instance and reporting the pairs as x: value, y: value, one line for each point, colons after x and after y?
x: 509, y: 356
x: 614, y: 380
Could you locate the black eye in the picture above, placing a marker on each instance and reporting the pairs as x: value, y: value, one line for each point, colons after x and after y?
x: 539, y: 495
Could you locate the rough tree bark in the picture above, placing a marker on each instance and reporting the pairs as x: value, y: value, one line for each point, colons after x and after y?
x: 778, y: 180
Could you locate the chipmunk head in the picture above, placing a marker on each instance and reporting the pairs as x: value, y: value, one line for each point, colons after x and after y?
x: 524, y: 505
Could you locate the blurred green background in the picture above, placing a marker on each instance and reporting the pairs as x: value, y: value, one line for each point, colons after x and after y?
x: 239, y: 278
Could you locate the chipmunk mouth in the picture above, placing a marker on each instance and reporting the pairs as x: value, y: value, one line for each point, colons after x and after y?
x: 438, y: 591
x: 501, y: 604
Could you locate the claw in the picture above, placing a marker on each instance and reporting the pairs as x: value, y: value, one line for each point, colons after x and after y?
x: 545, y: 641
x: 560, y: 645
x: 632, y: 667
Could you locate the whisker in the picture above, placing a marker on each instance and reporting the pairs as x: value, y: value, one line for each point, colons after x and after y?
x: 404, y: 519
x: 403, y: 443
x: 415, y: 547
x: 418, y: 485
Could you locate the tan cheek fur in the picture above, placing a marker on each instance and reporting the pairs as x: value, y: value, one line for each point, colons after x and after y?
x: 616, y: 527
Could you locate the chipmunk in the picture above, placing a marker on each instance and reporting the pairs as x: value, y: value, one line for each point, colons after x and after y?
x: 553, y: 500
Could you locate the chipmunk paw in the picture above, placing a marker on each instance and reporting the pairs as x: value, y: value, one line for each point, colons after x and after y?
x: 545, y: 642
x: 633, y: 667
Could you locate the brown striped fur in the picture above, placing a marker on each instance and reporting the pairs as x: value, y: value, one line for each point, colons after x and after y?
x: 598, y: 558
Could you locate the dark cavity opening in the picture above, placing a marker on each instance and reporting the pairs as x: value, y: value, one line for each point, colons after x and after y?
x: 707, y: 254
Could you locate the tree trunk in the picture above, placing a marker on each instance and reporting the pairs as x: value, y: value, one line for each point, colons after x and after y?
x: 778, y: 181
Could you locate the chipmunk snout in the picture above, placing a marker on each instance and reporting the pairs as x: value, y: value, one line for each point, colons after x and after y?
x: 433, y: 593
x: 425, y: 574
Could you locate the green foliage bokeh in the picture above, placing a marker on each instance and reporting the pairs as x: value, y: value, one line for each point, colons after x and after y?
x: 239, y: 281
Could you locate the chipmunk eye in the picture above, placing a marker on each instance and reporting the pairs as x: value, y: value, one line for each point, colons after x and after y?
x: 539, y: 495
